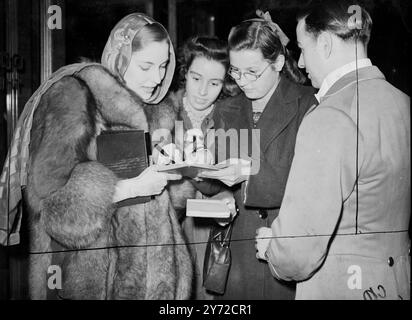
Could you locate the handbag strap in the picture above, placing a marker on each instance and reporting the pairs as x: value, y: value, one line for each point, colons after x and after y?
x: 227, y: 234
x: 222, y: 235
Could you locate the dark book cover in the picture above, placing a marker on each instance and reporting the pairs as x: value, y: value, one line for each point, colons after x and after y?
x: 126, y: 153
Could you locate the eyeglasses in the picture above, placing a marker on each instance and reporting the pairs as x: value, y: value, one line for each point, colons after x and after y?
x: 249, y: 76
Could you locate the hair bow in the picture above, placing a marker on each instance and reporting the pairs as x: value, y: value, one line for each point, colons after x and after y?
x: 274, y: 26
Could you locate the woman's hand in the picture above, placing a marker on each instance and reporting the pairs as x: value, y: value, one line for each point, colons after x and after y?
x: 237, y: 171
x: 227, y: 197
x: 165, y: 154
x: 150, y: 182
x: 200, y: 156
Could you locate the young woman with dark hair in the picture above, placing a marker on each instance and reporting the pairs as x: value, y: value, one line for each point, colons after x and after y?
x: 274, y: 103
x: 203, y: 62
x: 255, y: 34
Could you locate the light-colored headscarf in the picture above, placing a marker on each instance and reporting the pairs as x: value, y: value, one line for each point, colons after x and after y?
x: 118, y: 51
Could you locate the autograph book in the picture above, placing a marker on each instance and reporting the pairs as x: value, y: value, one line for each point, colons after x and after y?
x: 190, y: 169
x: 125, y: 152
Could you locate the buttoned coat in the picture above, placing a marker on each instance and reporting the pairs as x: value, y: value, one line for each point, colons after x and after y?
x: 350, y: 238
x: 277, y: 127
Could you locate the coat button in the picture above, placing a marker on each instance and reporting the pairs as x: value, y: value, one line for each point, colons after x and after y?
x: 390, y: 261
x: 263, y: 214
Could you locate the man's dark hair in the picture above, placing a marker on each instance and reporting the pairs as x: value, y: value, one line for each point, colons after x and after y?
x: 336, y: 16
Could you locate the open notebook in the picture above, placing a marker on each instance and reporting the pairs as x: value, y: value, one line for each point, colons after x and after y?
x: 190, y: 170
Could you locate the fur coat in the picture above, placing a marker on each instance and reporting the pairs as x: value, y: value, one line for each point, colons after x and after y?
x: 103, y: 252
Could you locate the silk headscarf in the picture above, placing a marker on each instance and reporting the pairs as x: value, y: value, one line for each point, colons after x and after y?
x: 118, y: 51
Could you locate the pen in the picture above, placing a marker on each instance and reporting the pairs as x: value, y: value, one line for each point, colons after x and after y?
x: 164, y: 153
x: 194, y: 144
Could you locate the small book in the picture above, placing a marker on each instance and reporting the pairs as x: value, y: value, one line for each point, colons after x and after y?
x: 207, y: 208
x: 126, y: 153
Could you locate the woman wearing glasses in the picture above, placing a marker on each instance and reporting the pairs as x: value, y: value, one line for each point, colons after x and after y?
x: 274, y: 102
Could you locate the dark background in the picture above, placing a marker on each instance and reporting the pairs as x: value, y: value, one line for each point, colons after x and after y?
x: 88, y: 24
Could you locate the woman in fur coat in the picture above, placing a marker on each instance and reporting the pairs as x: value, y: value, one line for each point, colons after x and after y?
x: 103, y: 252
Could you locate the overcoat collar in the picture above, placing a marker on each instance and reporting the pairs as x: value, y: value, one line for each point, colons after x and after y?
x: 366, y: 73
x: 280, y: 110
x: 233, y: 113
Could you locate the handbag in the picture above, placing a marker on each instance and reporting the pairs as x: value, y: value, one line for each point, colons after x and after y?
x: 217, y: 259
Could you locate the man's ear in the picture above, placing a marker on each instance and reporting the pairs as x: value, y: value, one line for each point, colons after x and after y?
x: 279, y: 63
x: 324, y: 44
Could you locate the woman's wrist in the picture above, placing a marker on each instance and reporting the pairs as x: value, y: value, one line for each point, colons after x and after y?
x: 123, y: 191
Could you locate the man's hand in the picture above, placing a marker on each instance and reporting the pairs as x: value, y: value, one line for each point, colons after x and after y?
x: 263, y: 237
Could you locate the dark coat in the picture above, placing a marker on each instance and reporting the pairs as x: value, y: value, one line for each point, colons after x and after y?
x: 69, y: 199
x: 259, y: 203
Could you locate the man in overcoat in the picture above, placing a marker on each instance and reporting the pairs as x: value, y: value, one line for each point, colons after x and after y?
x: 342, y: 230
